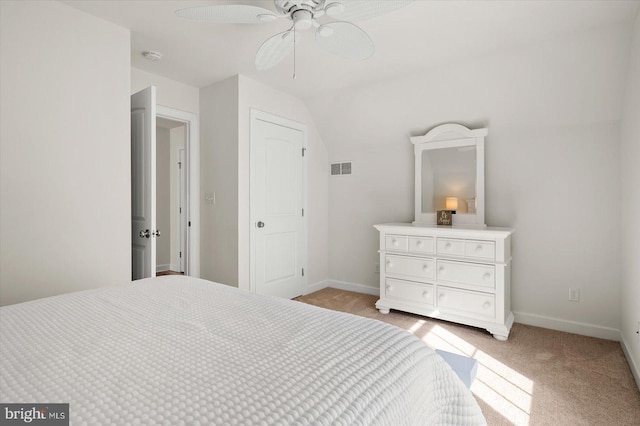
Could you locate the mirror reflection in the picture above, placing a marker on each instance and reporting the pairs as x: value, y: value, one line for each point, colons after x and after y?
x: 449, y: 179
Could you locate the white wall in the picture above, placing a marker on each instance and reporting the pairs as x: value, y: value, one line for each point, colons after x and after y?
x: 253, y: 94
x: 630, y: 207
x: 163, y: 199
x: 170, y: 93
x: 552, y: 157
x: 65, y: 164
x: 219, y: 176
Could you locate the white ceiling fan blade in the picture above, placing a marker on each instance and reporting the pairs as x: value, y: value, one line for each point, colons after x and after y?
x: 275, y: 49
x: 360, y: 10
x: 345, y: 40
x: 228, y: 13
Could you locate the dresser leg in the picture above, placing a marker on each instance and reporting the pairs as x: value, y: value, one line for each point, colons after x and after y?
x: 500, y: 337
x: 382, y: 307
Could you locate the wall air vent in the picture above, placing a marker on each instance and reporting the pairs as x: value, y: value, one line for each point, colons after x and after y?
x: 341, y: 168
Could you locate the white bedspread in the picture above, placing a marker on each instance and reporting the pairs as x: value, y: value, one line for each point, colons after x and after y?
x: 178, y: 350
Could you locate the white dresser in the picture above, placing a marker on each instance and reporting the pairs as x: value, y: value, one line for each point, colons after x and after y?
x: 458, y: 274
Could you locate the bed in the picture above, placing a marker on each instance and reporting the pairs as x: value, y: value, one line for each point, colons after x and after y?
x: 181, y: 350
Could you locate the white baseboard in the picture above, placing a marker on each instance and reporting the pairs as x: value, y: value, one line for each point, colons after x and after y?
x: 568, y: 326
x: 635, y: 370
x: 341, y: 285
x: 162, y: 268
x: 357, y: 288
x: 312, y: 288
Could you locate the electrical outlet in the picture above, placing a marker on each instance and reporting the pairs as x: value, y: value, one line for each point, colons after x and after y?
x: 377, y: 268
x: 574, y: 294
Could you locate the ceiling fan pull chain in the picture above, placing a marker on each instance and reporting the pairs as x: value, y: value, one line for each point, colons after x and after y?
x: 294, y: 54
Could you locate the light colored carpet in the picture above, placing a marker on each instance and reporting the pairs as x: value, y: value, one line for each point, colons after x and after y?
x: 537, y: 377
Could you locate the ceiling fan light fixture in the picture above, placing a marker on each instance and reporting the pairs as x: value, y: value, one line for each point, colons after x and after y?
x: 302, y: 19
x: 334, y: 9
x: 325, y: 31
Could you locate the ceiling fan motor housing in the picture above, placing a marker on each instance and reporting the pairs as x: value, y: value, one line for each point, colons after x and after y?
x: 289, y: 7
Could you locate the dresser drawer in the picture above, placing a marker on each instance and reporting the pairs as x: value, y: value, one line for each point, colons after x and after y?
x: 411, y: 292
x: 480, y: 249
x: 396, y: 243
x: 450, y: 247
x: 466, y: 302
x: 421, y: 244
x: 413, y: 267
x: 466, y: 273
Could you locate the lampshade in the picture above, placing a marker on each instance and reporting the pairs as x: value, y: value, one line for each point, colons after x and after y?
x: 451, y: 203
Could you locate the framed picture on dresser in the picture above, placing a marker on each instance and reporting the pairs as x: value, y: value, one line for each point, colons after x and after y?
x: 444, y: 217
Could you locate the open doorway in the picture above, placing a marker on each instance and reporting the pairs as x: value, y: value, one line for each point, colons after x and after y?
x: 182, y: 218
x: 171, y: 206
x: 178, y: 230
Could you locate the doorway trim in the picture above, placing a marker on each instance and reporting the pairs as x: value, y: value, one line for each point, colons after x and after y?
x: 192, y: 151
x: 255, y: 115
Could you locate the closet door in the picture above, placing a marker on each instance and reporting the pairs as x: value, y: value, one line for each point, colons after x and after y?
x: 276, y: 208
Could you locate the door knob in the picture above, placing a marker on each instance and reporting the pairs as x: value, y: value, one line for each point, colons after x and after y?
x: 156, y: 233
x: 260, y: 224
x: 145, y: 234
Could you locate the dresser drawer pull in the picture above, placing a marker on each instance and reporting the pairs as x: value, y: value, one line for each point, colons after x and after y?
x: 425, y: 268
x: 478, y: 248
x: 425, y: 294
x: 486, y: 275
x: 441, y: 270
x: 389, y: 288
x: 447, y: 246
x: 442, y: 297
x: 419, y: 243
x: 394, y: 242
x: 486, y: 305
x: 389, y: 264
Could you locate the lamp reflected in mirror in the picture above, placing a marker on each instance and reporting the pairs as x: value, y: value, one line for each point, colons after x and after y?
x: 451, y: 204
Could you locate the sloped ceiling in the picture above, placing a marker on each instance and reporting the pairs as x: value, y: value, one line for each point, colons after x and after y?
x: 423, y: 35
x: 575, y: 80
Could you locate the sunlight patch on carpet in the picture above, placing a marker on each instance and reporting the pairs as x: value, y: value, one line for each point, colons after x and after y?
x: 501, y: 387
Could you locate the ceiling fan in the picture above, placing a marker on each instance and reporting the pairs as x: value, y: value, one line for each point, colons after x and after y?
x: 337, y: 35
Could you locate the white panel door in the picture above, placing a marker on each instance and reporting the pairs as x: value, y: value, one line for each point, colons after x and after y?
x: 143, y: 183
x: 276, y: 207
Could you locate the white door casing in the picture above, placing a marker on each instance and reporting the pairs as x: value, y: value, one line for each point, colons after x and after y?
x: 182, y: 210
x: 143, y: 183
x: 278, y: 232
x: 191, y: 207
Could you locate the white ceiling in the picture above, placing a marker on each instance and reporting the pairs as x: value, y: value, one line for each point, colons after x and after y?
x: 423, y: 35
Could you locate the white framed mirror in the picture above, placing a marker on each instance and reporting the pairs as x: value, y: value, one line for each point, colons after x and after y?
x: 449, y: 174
